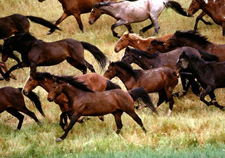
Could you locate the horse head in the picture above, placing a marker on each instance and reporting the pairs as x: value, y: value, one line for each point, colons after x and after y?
x: 194, y: 7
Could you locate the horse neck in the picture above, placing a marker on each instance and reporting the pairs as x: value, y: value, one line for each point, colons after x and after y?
x: 196, y: 45
x: 126, y: 78
x: 71, y: 92
x: 110, y: 10
x: 140, y: 43
x: 212, y: 8
x: 45, y: 84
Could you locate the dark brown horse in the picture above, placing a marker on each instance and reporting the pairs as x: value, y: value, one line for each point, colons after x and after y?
x: 36, y: 52
x: 12, y: 100
x: 211, y: 75
x: 162, y: 80
x: 17, y: 23
x: 195, y: 40
x: 84, y: 102
x: 214, y: 8
x: 94, y: 81
x: 75, y: 8
x: 148, y: 61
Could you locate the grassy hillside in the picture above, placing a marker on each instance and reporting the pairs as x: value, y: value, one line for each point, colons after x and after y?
x: 193, y: 130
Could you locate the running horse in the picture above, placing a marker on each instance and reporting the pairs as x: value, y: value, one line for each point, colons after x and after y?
x: 75, y: 8
x: 12, y: 100
x: 126, y: 12
x: 17, y: 23
x: 196, y: 40
x: 214, y: 8
x: 94, y: 81
x: 36, y: 52
x: 162, y: 80
x: 135, y: 41
x: 84, y: 102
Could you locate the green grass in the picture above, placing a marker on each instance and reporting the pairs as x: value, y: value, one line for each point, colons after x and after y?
x: 193, y: 130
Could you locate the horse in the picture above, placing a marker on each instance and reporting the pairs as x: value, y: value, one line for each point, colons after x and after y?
x: 156, y: 46
x: 85, y: 102
x: 215, y: 9
x: 126, y: 12
x: 75, y: 8
x: 148, y: 61
x: 196, y: 40
x: 94, y: 81
x: 12, y: 101
x: 36, y: 52
x: 132, y: 39
x: 211, y: 75
x: 162, y: 80
x: 17, y: 23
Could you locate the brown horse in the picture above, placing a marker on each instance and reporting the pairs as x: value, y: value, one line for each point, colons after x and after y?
x: 12, y: 100
x: 36, y: 52
x: 94, y: 81
x: 84, y: 102
x: 75, y: 8
x: 162, y: 80
x: 17, y: 23
x: 156, y: 46
x: 133, y: 40
x: 195, y: 40
x: 214, y: 8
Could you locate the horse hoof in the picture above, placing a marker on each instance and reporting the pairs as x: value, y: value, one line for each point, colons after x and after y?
x: 58, y: 140
x: 49, y: 32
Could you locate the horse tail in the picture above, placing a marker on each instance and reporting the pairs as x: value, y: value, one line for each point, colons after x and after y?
x: 35, y: 99
x: 140, y: 93
x: 111, y: 85
x: 99, y: 56
x: 176, y: 7
x: 43, y: 22
x: 208, y: 56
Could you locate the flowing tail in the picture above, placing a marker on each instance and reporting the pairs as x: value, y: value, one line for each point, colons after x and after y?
x: 43, y: 22
x: 140, y: 93
x: 35, y: 99
x: 99, y: 56
x: 176, y: 7
x: 111, y: 85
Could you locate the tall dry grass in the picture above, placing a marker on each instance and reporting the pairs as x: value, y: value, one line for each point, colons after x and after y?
x: 191, y: 125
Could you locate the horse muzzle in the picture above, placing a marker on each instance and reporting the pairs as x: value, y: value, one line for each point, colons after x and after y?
x: 50, y: 99
x: 25, y: 92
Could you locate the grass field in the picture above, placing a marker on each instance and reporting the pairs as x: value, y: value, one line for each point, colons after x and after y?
x: 193, y: 130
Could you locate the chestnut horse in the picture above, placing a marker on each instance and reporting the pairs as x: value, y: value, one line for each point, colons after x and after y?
x: 162, y: 80
x: 195, y: 40
x: 126, y: 12
x: 84, y: 102
x: 214, y: 8
x: 133, y: 40
x: 75, y: 8
x: 17, y: 23
x: 94, y: 81
x: 36, y: 52
x: 12, y: 100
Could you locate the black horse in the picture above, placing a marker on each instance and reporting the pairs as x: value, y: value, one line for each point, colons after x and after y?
x: 210, y: 75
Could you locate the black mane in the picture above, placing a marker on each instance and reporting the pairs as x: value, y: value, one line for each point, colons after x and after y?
x: 41, y: 75
x: 194, y: 36
x: 143, y: 53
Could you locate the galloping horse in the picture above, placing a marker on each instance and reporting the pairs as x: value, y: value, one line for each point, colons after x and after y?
x: 148, y: 61
x: 162, y: 80
x: 36, y: 52
x: 17, y: 23
x: 85, y: 102
x: 133, y: 40
x: 12, y: 100
x: 94, y: 81
x: 75, y: 8
x: 195, y: 40
x: 214, y: 8
x: 126, y: 12
x: 211, y: 75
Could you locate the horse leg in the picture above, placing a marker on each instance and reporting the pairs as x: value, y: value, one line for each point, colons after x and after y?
x: 214, y: 101
x: 74, y: 119
x: 63, y: 17
x: 200, y: 18
x: 89, y: 66
x: 136, y: 119
x: 117, y: 116
x: 17, y: 66
x: 118, y: 23
x: 206, y: 91
x: 80, y: 66
x: 129, y: 28
x: 162, y: 97
x: 169, y: 96
x: 33, y: 69
x: 18, y: 115
x: 223, y: 27
x: 144, y: 29
x: 77, y: 17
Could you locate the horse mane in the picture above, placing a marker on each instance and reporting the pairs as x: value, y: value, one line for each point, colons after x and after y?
x: 72, y: 81
x: 194, y: 36
x: 143, y: 53
x: 127, y: 68
x: 111, y: 85
x: 157, y: 41
x: 25, y: 36
x: 41, y: 75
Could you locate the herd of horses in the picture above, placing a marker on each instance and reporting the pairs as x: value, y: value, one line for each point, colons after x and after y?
x: 187, y: 54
